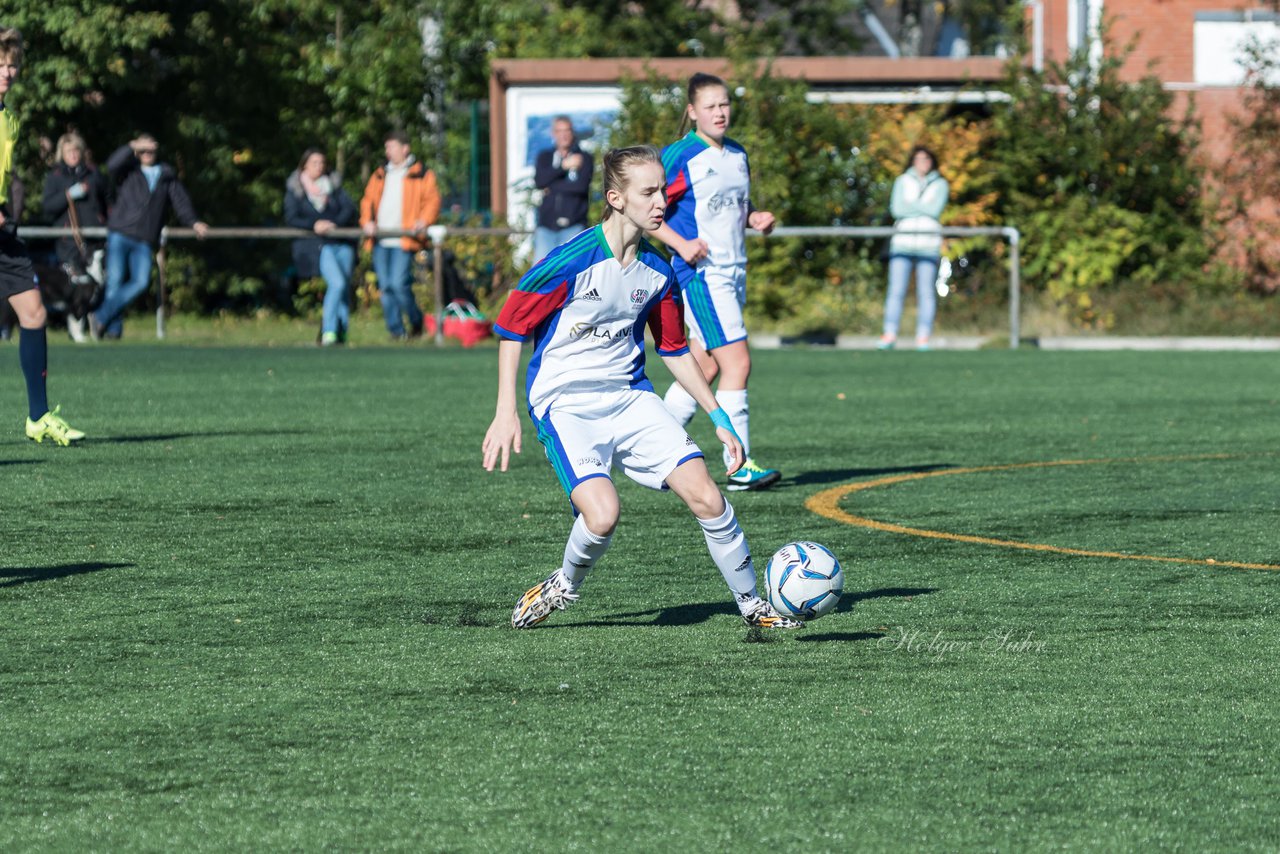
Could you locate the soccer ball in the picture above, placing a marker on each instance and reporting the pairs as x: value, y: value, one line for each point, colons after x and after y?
x: 804, y: 580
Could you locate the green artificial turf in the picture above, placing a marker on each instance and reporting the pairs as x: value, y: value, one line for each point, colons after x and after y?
x: 266, y: 605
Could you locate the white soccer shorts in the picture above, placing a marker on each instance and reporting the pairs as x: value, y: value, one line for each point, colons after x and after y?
x: 713, y: 302
x: 587, y: 435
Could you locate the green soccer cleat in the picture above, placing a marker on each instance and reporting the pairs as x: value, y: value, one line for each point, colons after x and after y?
x: 763, y: 616
x: 752, y: 476
x: 539, y: 601
x: 51, y: 426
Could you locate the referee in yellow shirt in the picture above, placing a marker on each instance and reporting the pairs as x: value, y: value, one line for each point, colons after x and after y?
x: 17, y: 277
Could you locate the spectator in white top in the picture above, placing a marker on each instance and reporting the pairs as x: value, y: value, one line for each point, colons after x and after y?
x: 919, y: 196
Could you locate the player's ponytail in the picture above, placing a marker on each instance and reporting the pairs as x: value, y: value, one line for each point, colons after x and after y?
x: 697, y: 83
x: 617, y: 162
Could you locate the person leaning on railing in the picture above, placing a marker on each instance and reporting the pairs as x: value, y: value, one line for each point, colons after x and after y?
x: 401, y: 196
x: 314, y: 200
x: 145, y: 189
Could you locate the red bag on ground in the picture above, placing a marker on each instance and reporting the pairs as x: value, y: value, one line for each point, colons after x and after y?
x: 463, y: 321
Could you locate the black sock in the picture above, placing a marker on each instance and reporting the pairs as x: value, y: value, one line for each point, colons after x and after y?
x: 33, y: 355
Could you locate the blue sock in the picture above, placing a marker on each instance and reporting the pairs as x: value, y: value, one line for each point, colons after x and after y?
x: 33, y: 355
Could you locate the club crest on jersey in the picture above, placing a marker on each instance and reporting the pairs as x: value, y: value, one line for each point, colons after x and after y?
x: 638, y: 296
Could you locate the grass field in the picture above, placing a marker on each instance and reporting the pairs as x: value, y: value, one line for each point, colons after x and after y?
x: 266, y: 605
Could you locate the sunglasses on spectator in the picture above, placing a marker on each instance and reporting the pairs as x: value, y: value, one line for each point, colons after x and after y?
x: 146, y: 151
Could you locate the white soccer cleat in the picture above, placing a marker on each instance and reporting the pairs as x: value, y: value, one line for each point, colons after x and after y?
x: 763, y: 616
x: 540, y: 600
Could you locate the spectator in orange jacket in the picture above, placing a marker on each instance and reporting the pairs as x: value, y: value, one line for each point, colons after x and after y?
x: 400, y: 196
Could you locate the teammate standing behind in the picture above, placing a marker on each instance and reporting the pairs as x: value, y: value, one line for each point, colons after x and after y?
x: 708, y: 210
x: 17, y: 276
x: 586, y: 306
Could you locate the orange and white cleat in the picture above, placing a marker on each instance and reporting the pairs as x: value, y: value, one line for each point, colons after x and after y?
x: 539, y: 601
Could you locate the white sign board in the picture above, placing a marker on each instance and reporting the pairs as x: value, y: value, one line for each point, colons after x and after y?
x: 530, y: 110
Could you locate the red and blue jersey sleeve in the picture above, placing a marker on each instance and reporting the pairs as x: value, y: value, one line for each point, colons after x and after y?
x: 541, y: 293
x: 675, y: 163
x: 677, y: 181
x: 680, y: 200
x: 666, y: 322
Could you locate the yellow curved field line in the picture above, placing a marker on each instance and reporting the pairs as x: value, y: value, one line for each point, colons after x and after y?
x: 827, y: 504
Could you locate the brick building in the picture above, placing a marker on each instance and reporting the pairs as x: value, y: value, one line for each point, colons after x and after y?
x: 1192, y: 46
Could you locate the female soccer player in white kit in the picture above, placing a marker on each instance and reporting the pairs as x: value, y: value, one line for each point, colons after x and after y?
x: 585, y: 307
x: 708, y: 211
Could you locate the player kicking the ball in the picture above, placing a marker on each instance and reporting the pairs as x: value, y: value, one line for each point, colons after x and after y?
x: 585, y: 306
x: 18, y: 277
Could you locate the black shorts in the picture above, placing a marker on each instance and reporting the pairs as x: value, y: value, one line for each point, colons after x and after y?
x: 16, y: 273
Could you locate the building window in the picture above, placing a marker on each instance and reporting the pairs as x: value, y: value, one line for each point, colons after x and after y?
x: 1220, y: 38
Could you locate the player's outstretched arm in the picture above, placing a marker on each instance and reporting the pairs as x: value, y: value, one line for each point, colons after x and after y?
x: 687, y: 372
x: 503, y: 435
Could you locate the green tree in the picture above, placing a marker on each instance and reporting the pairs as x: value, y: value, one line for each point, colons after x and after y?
x: 1249, y: 183
x: 234, y: 90
x: 1088, y: 163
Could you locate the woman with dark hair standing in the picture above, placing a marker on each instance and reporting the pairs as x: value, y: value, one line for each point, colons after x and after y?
x: 919, y: 196
x: 314, y: 200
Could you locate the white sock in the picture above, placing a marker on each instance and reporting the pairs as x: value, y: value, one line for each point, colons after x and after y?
x: 734, y: 403
x: 680, y: 403
x: 728, y: 546
x: 581, y: 553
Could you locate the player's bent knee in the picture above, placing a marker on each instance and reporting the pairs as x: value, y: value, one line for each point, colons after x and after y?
x: 33, y: 318
x: 705, y: 500
x: 601, y: 521
x: 598, y: 506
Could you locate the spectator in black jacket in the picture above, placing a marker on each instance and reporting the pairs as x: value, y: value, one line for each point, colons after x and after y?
x: 314, y: 200
x: 74, y: 186
x: 563, y: 174
x: 145, y: 188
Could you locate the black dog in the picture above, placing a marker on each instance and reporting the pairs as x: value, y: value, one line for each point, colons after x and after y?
x: 69, y: 291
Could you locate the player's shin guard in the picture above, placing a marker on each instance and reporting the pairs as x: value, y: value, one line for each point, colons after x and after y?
x: 680, y: 403
x: 581, y: 552
x: 728, y: 546
x: 734, y: 403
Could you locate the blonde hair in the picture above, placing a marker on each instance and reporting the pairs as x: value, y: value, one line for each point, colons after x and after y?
x: 73, y: 139
x: 618, y: 161
x: 10, y: 44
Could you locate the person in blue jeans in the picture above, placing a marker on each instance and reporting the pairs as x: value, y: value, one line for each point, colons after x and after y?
x: 401, y: 196
x: 919, y: 196
x: 314, y: 200
x: 145, y: 189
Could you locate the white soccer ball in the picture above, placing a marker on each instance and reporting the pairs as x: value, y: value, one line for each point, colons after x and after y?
x: 804, y: 580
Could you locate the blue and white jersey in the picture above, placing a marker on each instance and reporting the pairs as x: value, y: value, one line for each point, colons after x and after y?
x: 708, y: 196
x: 586, y: 315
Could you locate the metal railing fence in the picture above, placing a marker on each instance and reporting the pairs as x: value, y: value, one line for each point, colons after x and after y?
x: 439, y: 235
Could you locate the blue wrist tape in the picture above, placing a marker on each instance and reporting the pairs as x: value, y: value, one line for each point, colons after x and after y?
x: 720, y: 418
